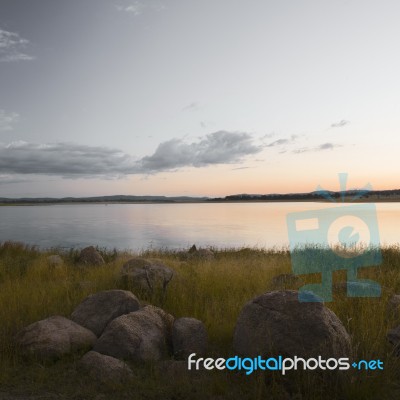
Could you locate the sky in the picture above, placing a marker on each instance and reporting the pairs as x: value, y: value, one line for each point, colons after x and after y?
x: 197, y: 97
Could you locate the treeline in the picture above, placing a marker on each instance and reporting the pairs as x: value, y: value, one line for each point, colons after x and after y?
x: 319, y: 195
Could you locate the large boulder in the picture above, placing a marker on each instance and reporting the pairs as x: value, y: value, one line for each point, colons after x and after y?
x: 105, y: 369
x: 276, y: 323
x: 189, y: 336
x: 53, y: 338
x: 147, y: 274
x: 97, y: 310
x: 90, y: 256
x: 143, y: 335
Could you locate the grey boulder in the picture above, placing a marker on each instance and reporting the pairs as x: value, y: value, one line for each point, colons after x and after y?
x: 189, y: 336
x: 90, y: 256
x: 277, y: 323
x: 147, y: 274
x: 97, y: 310
x: 54, y: 337
x: 141, y: 336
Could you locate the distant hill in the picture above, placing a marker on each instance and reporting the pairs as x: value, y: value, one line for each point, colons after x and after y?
x: 103, y: 199
x: 348, y: 195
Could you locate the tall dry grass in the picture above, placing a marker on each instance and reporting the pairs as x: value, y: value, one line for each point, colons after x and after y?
x: 212, y: 291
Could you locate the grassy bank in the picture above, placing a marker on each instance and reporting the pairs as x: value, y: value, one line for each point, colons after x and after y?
x: 212, y: 291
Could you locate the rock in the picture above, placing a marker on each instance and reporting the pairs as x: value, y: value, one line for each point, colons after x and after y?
x: 90, y: 256
x: 54, y: 337
x: 105, y: 369
x: 276, y: 323
x: 193, y: 249
x: 284, y: 281
x: 141, y: 336
x: 196, y: 254
x: 393, y: 307
x: 55, y: 261
x: 147, y: 274
x: 97, y: 310
x: 202, y: 255
x: 205, y: 254
x: 189, y: 336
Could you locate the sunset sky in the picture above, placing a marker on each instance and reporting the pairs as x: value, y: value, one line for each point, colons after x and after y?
x: 197, y: 97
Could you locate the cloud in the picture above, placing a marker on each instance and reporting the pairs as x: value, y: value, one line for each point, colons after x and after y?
x: 220, y: 147
x: 280, y: 142
x: 135, y: 8
x: 240, y: 168
x: 12, y: 47
x: 75, y: 161
x: 327, y: 146
x: 192, y: 106
x: 138, y: 7
x: 63, y: 159
x: 11, y: 179
x: 7, y: 120
x: 321, y: 147
x: 340, y: 124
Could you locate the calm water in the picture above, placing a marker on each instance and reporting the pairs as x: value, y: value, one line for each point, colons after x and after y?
x: 173, y: 226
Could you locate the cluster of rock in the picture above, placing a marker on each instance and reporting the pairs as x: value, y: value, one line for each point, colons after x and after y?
x: 115, y: 328
x: 88, y: 256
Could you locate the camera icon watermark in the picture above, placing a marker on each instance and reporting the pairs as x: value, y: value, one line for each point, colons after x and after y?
x: 342, y: 237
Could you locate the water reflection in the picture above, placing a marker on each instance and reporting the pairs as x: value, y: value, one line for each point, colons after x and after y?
x: 140, y: 226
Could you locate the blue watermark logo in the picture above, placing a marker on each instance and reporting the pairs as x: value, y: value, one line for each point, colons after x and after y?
x: 342, y: 237
x: 280, y: 363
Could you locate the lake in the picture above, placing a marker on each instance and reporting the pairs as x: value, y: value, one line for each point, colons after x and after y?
x: 168, y: 226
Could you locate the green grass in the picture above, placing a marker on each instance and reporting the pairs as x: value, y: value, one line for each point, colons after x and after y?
x: 212, y: 291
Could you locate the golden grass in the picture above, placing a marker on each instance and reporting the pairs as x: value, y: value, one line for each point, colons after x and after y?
x: 212, y: 291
